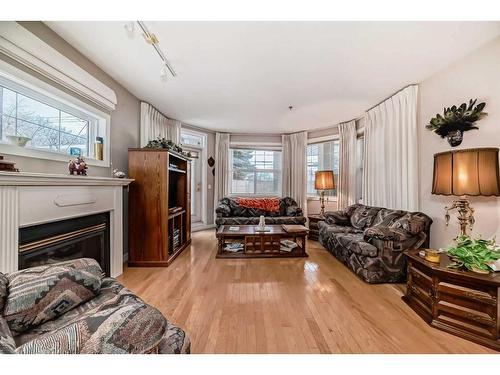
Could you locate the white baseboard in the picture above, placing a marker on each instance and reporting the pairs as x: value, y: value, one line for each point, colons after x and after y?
x: 199, y: 227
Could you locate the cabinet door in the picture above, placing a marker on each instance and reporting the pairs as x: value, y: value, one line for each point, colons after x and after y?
x: 188, y: 201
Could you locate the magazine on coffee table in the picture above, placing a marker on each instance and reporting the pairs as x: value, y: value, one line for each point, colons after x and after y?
x: 294, y: 228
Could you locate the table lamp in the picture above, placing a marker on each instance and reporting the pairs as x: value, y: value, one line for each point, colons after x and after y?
x: 462, y: 173
x: 323, y: 181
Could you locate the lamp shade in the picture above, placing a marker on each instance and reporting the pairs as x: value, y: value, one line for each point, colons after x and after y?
x: 324, y: 180
x: 467, y: 172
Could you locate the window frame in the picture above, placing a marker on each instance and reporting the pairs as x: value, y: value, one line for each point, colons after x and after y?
x: 255, y: 171
x: 317, y: 140
x: 27, y: 85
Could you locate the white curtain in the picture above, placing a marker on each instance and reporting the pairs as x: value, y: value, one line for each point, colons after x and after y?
x: 294, y: 171
x: 390, y: 173
x: 221, y: 185
x: 346, y: 185
x: 154, y: 124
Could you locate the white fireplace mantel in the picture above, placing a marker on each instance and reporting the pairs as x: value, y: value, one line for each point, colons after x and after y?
x: 28, y: 199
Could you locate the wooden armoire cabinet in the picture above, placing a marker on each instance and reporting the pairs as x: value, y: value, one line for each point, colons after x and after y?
x: 159, y: 206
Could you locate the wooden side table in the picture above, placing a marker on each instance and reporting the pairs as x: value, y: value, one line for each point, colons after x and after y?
x: 313, y: 227
x: 463, y: 303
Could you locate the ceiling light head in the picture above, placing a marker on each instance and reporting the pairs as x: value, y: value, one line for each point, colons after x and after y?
x: 164, y: 73
x: 290, y: 107
x: 129, y: 27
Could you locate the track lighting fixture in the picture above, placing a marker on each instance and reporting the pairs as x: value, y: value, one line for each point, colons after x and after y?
x: 151, y: 39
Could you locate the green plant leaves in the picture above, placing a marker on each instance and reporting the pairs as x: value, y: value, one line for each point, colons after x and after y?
x: 474, y: 254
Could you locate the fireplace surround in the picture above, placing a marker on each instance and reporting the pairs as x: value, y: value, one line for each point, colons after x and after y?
x: 33, y: 200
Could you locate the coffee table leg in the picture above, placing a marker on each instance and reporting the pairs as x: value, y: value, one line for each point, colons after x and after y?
x: 219, y: 245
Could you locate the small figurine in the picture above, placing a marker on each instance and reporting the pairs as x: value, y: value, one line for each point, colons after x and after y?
x: 118, y: 174
x: 78, y: 165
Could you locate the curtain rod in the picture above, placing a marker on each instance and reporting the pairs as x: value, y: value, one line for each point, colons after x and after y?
x: 380, y: 102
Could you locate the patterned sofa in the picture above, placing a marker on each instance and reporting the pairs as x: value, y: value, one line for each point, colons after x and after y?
x: 371, y: 240
x: 70, y: 308
x: 229, y: 212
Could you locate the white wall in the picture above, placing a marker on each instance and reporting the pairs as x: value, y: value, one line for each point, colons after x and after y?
x: 475, y: 76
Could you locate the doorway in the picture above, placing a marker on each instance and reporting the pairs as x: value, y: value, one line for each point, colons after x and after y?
x: 196, y: 143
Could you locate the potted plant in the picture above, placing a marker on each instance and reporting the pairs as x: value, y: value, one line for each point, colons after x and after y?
x: 457, y: 120
x: 476, y: 255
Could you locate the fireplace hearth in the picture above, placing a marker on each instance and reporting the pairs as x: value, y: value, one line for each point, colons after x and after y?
x: 81, y: 237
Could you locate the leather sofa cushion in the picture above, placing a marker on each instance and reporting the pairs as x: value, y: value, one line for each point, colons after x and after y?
x: 39, y: 294
x: 363, y: 216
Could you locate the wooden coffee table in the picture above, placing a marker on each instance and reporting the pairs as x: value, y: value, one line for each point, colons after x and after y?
x: 260, y: 244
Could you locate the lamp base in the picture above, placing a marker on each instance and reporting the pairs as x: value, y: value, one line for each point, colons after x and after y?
x: 322, y: 201
x: 465, y: 214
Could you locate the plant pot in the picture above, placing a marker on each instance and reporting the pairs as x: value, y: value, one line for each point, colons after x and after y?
x: 455, y: 137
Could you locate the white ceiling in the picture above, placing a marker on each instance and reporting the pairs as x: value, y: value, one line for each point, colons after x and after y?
x: 242, y: 76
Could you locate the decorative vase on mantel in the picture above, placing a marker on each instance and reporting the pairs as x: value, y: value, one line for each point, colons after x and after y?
x: 455, y: 137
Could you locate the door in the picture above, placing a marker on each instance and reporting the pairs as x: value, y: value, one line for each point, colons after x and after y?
x: 196, y: 190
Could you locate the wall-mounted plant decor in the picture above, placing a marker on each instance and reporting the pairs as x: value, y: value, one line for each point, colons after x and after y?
x: 457, y: 120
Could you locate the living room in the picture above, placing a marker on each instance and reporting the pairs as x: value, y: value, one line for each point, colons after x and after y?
x: 252, y: 185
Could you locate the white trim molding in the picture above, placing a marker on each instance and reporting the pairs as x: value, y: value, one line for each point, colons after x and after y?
x: 24, y: 47
x: 28, y: 199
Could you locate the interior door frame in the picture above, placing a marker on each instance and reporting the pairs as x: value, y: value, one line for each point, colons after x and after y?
x: 203, y: 152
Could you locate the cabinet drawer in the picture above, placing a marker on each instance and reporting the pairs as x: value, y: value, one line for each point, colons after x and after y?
x: 465, y: 292
x: 420, y: 278
x: 464, y: 318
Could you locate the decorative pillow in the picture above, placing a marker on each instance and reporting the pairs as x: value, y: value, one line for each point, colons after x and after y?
x: 265, y: 204
x: 363, y: 216
x: 411, y: 223
x: 337, y: 218
x: 40, y: 294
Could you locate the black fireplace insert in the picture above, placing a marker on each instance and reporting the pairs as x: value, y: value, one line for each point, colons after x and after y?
x: 82, y: 237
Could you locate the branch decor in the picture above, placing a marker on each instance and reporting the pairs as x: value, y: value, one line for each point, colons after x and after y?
x: 457, y: 120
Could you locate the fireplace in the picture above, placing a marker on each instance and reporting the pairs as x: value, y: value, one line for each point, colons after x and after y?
x: 81, y: 237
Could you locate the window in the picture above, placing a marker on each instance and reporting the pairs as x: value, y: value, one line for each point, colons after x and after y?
x: 255, y: 172
x: 51, y: 125
x: 322, y: 156
x: 191, y: 139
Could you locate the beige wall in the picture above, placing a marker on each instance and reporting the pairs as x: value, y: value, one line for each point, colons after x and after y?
x: 124, y: 119
x: 475, y: 76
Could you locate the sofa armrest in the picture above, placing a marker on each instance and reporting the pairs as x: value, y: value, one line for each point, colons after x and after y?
x: 387, y: 234
x: 337, y: 218
x: 7, y: 343
x: 294, y: 211
x: 223, y: 210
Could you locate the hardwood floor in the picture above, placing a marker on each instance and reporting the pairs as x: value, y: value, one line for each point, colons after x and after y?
x: 300, y: 305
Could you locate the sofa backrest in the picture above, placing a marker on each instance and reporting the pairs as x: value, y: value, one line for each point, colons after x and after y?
x: 363, y: 217
x: 238, y: 211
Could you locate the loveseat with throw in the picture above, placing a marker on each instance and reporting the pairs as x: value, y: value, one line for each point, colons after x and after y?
x: 244, y: 211
x: 70, y: 308
x: 371, y: 240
